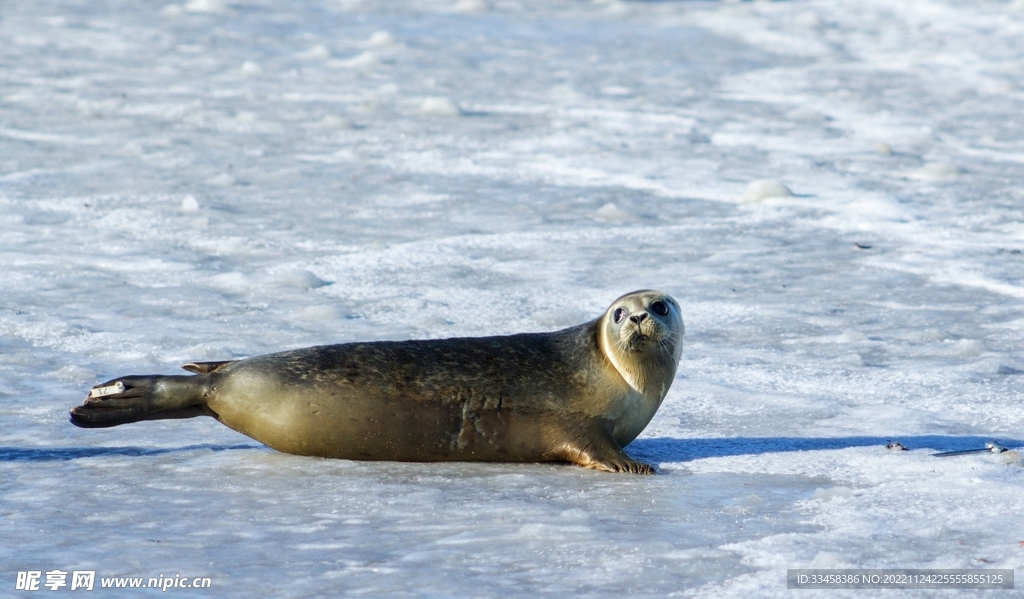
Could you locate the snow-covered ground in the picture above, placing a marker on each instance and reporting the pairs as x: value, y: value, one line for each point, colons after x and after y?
x: 209, y: 180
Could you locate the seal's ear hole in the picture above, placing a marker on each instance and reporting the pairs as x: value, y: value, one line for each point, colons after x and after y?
x: 659, y: 307
x: 618, y: 315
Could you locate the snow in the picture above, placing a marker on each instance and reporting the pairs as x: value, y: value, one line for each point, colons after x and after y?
x: 765, y: 188
x: 210, y: 180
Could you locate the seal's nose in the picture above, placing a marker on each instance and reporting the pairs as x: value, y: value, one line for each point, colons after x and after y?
x: 639, y: 317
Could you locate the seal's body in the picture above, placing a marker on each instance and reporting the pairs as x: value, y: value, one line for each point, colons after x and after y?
x: 576, y: 395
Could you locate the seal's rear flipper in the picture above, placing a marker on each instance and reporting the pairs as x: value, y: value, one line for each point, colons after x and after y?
x: 206, y: 367
x: 84, y: 417
x: 136, y: 398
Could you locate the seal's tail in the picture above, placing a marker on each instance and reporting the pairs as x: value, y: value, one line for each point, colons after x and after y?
x: 135, y: 398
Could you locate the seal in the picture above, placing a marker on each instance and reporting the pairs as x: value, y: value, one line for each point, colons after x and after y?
x: 576, y: 395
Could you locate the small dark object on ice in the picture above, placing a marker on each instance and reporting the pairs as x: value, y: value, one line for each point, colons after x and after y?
x: 990, y: 447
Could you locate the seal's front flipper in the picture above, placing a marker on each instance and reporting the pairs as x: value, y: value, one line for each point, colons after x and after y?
x: 136, y: 398
x: 595, y: 448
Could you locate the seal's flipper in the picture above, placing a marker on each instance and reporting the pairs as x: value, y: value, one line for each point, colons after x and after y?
x: 595, y: 448
x: 84, y: 417
x: 136, y: 398
x: 206, y: 367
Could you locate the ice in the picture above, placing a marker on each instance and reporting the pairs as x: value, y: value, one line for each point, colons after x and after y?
x: 937, y: 170
x: 611, y: 212
x: 189, y: 204
x: 381, y: 39
x: 762, y: 189
x: 210, y: 180
x: 317, y: 52
x: 364, y: 59
x: 440, y: 106
x: 251, y: 68
x: 470, y: 6
x: 210, y: 6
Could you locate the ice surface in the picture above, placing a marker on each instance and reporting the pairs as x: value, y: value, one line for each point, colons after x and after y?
x: 763, y: 189
x: 207, y: 180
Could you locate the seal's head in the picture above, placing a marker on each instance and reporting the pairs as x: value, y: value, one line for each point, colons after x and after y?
x: 642, y: 335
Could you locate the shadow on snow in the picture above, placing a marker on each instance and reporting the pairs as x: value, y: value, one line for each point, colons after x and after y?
x: 668, y: 449
x: 661, y: 449
x: 51, y: 454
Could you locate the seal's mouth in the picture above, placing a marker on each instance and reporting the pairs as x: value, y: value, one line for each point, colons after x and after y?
x: 638, y: 341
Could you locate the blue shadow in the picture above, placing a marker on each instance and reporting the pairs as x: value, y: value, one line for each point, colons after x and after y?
x: 52, y: 454
x: 660, y: 449
x: 668, y: 449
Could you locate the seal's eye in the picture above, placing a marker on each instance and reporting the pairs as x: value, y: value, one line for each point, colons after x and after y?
x: 619, y: 314
x: 660, y: 308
